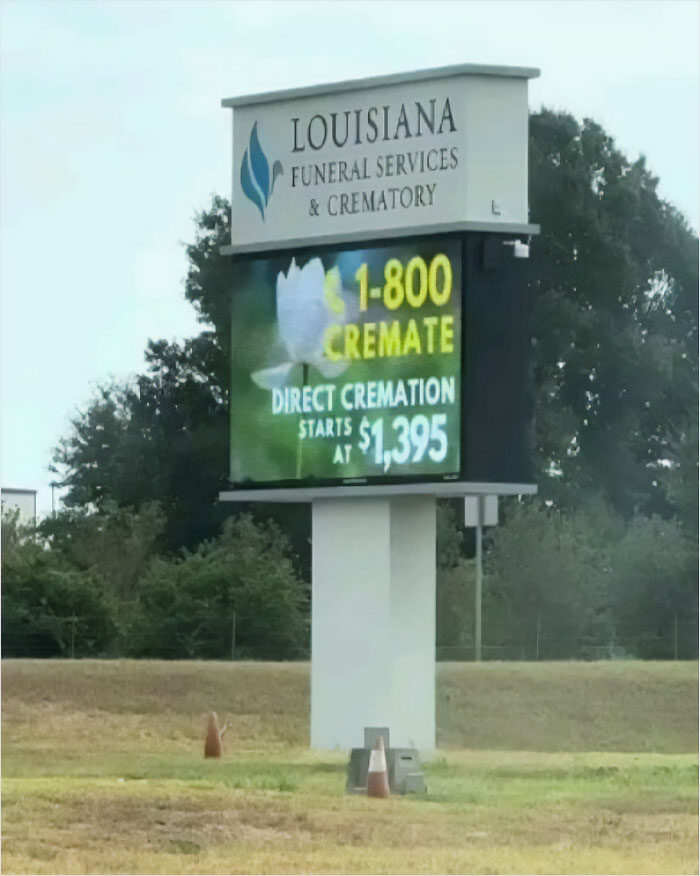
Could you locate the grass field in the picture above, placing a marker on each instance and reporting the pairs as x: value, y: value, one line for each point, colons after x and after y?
x: 542, y: 768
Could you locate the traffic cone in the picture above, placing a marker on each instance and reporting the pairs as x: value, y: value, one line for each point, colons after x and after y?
x: 377, y: 776
x: 212, y: 743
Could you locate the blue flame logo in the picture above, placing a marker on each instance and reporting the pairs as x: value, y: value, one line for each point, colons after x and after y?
x: 255, y: 173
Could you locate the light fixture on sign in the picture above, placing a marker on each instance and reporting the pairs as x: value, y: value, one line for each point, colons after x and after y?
x: 520, y: 250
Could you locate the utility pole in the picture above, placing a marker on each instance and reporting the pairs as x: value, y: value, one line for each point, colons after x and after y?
x: 73, y: 621
x: 675, y: 637
x: 53, y: 486
x: 479, y: 582
x: 479, y: 511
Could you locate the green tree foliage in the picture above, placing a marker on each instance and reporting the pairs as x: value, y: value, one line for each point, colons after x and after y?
x: 208, y: 284
x: 454, y: 612
x: 561, y: 583
x: 455, y: 606
x: 12, y: 533
x: 680, y: 477
x: 449, y: 533
x: 164, y: 439
x: 189, y: 606
x: 613, y: 287
x: 655, y: 592
x: 613, y: 282
x: 48, y: 608
x: 116, y: 543
x: 549, y: 572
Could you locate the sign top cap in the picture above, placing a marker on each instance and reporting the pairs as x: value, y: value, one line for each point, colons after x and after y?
x: 380, y: 81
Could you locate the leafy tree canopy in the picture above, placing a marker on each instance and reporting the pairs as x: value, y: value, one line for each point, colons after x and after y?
x: 116, y: 543
x: 612, y: 283
x: 48, y: 607
x: 239, y: 589
x: 164, y: 439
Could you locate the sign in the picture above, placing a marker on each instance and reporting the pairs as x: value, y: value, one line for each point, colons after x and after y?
x: 346, y: 365
x: 428, y: 152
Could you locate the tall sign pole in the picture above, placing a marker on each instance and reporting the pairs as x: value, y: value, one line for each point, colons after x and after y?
x: 479, y: 511
x: 379, y: 353
x: 477, y: 599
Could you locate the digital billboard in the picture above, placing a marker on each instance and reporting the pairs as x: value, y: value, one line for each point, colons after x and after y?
x: 346, y: 364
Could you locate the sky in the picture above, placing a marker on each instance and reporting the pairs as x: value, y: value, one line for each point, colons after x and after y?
x: 112, y: 138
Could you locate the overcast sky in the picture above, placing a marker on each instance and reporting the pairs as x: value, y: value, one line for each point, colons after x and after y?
x: 112, y: 137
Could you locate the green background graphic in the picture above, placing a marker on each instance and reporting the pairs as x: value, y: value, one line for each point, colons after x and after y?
x: 266, y: 447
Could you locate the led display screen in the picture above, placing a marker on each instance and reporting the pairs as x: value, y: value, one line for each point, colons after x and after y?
x: 346, y: 365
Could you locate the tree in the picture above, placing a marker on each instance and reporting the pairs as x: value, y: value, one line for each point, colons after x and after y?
x: 613, y: 287
x: 48, y: 608
x: 454, y: 580
x: 679, y: 476
x: 164, y: 439
x: 117, y: 543
x: 655, y: 594
x: 208, y: 283
x: 613, y: 282
x: 13, y: 534
x: 244, y: 578
x: 548, y: 578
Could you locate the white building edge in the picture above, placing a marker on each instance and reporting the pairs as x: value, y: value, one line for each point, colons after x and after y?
x: 20, y: 500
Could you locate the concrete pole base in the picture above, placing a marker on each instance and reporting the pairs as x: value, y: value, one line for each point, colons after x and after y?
x: 373, y: 621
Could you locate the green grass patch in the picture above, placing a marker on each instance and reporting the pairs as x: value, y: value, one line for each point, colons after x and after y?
x: 104, y: 773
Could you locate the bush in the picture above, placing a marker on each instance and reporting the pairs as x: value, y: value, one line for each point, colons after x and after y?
x: 187, y: 606
x: 550, y: 576
x: 49, y: 609
x: 655, y: 570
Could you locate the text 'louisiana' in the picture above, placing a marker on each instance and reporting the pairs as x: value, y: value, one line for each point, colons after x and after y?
x: 376, y: 123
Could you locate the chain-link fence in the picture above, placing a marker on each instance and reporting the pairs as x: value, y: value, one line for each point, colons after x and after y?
x: 676, y: 640
x: 680, y: 643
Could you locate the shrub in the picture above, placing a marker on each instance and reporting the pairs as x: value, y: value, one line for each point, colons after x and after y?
x: 188, y: 605
x: 50, y: 609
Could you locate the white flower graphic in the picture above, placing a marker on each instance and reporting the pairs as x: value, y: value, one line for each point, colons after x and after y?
x: 309, y: 300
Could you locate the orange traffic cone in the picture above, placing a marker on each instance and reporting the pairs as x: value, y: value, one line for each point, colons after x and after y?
x: 377, y: 776
x: 212, y: 743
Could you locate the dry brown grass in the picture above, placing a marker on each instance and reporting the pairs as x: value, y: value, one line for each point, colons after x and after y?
x: 566, y: 706
x: 569, y: 706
